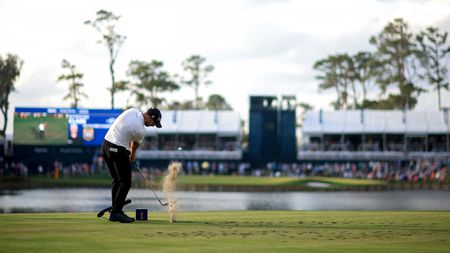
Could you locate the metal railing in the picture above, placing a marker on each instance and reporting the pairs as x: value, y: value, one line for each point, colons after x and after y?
x: 184, y: 155
x: 369, y: 155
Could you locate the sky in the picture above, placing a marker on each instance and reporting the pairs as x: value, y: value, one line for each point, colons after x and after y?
x: 258, y: 47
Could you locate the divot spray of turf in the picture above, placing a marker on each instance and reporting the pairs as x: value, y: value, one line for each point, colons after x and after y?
x: 169, y: 186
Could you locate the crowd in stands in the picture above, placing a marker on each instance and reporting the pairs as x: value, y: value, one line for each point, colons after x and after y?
x: 203, y: 144
x: 57, y: 170
x: 394, y: 143
x: 420, y: 170
x: 14, y: 169
x: 413, y: 171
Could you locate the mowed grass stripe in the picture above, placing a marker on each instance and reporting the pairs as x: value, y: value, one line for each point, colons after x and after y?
x: 273, y: 181
x: 236, y: 231
x: 190, y: 180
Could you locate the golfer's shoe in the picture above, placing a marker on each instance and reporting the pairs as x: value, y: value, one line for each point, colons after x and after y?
x: 124, y: 214
x: 120, y: 218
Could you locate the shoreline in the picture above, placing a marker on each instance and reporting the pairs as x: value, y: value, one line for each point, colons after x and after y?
x: 6, y: 185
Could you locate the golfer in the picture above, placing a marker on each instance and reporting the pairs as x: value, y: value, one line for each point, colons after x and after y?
x: 119, y: 151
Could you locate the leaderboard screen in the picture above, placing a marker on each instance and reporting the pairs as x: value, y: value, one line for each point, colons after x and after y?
x: 62, y: 126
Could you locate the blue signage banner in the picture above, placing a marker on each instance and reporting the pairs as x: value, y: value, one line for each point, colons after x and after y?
x: 62, y: 126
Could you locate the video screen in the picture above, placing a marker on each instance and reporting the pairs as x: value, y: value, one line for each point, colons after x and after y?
x: 62, y: 126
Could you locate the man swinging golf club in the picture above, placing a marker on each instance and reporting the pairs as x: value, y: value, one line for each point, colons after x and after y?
x: 119, y: 151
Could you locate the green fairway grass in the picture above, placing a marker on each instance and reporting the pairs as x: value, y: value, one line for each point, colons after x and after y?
x: 275, y: 181
x: 103, y: 180
x: 237, y: 231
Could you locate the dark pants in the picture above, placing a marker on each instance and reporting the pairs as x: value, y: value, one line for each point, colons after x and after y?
x: 117, y: 159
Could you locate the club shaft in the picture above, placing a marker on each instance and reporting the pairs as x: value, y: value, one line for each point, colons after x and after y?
x: 149, y: 184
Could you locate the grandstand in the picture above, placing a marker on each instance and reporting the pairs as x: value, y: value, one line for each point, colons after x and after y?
x: 214, y: 138
x: 375, y: 135
x: 201, y: 135
x: 191, y: 136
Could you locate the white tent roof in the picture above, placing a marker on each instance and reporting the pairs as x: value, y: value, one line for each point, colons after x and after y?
x: 333, y: 122
x: 372, y: 122
x: 353, y: 122
x: 230, y: 122
x: 376, y: 121
x: 312, y: 124
x: 394, y: 122
x: 198, y: 121
x: 436, y: 122
x: 416, y: 122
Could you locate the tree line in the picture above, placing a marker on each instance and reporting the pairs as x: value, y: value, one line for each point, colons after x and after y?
x: 146, y: 80
x: 402, y: 66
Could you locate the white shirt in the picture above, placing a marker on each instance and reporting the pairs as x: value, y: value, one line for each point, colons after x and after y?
x: 128, y: 127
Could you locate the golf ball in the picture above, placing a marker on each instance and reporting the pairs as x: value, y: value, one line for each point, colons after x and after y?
x: 179, y: 149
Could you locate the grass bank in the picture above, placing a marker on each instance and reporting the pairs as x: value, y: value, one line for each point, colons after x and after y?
x: 209, y: 183
x: 237, y: 231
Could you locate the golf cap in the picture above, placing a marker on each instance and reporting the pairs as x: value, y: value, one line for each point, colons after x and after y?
x: 156, y: 116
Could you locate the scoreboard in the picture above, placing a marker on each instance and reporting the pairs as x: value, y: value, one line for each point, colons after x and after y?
x: 62, y: 126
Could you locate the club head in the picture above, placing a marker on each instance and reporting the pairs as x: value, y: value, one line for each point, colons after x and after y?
x: 100, y: 214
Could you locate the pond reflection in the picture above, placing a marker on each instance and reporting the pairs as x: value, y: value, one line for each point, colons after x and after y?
x: 93, y: 200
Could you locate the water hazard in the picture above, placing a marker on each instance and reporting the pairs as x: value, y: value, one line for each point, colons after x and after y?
x: 93, y: 200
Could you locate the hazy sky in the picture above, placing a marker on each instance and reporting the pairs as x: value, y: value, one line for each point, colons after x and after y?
x: 258, y: 47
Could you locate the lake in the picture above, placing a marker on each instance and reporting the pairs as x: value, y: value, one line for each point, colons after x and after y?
x: 93, y: 200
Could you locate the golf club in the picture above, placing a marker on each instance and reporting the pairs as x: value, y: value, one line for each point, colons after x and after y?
x: 108, y: 209
x: 149, y: 184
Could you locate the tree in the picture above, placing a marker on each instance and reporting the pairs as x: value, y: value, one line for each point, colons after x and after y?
x: 366, y: 69
x: 304, y: 108
x: 435, y: 52
x: 336, y: 73
x: 184, y: 105
x: 198, y: 72
x: 329, y: 78
x: 105, y: 23
x: 217, y: 102
x: 74, y: 78
x: 398, y: 55
x: 148, y: 80
x: 382, y: 104
x: 10, y: 69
